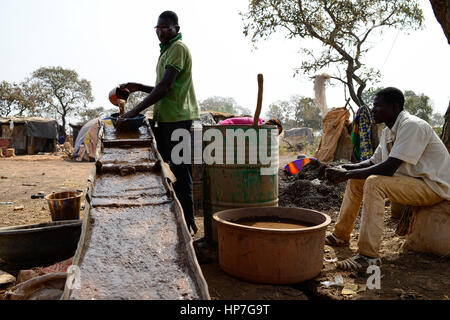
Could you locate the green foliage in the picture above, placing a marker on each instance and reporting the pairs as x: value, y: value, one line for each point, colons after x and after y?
x: 369, y: 94
x: 87, y: 114
x: 68, y: 93
x: 299, y: 111
x: 282, y: 110
x: 307, y: 114
x: 437, y: 119
x: 7, y: 98
x: 24, y: 99
x: 32, y: 97
x: 438, y: 131
x: 134, y: 99
x: 418, y: 105
x: 346, y: 29
x: 224, y: 104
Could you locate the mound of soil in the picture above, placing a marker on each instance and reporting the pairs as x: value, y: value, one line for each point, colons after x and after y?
x: 309, y: 189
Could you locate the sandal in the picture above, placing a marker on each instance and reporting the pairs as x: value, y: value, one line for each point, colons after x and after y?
x: 358, y: 263
x: 333, y: 241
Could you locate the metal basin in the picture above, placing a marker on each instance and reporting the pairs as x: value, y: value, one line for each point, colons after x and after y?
x: 271, y: 255
x: 39, y: 244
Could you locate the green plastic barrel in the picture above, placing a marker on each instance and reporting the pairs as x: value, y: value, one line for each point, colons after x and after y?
x: 248, y: 181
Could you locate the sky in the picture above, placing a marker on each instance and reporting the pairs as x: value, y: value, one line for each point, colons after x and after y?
x: 109, y: 42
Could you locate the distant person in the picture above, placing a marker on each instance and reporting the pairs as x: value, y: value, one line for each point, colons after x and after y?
x: 410, y: 166
x: 175, y: 104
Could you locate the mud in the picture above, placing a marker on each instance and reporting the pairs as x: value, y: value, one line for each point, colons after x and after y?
x: 126, y: 155
x: 308, y: 189
x: 134, y: 246
x: 134, y: 253
x: 276, y: 223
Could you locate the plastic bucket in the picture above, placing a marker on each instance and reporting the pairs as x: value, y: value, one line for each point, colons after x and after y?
x: 64, y: 205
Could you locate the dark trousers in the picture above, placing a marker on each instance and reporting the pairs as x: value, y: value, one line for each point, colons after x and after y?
x: 183, y: 172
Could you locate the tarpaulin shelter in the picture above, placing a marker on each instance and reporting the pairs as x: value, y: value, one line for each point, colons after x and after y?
x: 86, y: 141
x: 28, y: 134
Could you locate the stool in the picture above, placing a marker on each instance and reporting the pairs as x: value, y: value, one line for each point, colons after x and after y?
x: 429, y: 230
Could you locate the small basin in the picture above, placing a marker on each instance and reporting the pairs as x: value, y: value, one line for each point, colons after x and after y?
x: 127, y: 124
x: 289, y: 253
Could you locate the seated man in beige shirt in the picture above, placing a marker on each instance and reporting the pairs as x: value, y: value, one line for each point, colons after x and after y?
x: 410, y: 166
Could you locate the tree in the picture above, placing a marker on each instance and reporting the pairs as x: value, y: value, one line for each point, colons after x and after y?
x: 299, y: 111
x: 68, y: 93
x: 99, y: 112
x: 344, y: 28
x: 437, y: 119
x: 31, y: 98
x: 220, y: 104
x: 441, y: 10
x: 7, y: 98
x: 306, y: 112
x: 279, y: 110
x: 283, y: 111
x: 23, y: 99
x: 369, y: 94
x: 134, y: 99
x: 418, y: 105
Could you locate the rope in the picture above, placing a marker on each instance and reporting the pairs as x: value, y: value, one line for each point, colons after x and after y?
x: 389, y: 53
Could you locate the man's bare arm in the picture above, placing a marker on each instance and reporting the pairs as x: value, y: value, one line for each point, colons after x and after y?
x: 360, y: 165
x: 158, y: 92
x: 385, y: 168
x: 133, y: 87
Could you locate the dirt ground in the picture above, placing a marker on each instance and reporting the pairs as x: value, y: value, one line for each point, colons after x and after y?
x: 405, y: 275
x: 23, y: 176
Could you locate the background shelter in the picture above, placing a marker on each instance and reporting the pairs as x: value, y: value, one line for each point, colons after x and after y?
x: 28, y: 135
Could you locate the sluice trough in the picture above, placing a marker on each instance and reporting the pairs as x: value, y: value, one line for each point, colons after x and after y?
x: 134, y: 242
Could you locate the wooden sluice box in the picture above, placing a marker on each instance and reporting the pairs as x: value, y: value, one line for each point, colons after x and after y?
x: 134, y: 242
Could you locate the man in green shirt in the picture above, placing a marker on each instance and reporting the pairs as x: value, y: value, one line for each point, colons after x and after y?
x: 175, y: 104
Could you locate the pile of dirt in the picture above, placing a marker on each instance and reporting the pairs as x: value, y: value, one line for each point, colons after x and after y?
x: 309, y: 189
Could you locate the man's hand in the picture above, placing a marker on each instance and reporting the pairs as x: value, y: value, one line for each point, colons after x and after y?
x: 133, y: 113
x: 336, y: 175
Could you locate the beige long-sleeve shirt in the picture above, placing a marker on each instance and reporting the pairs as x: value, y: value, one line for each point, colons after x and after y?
x: 425, y: 156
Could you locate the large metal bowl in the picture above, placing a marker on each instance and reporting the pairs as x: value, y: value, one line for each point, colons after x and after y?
x: 35, y: 245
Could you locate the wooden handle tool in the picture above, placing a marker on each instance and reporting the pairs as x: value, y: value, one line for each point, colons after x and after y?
x: 259, y: 102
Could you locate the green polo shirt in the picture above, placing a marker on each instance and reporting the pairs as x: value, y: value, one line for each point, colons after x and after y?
x: 180, y: 103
